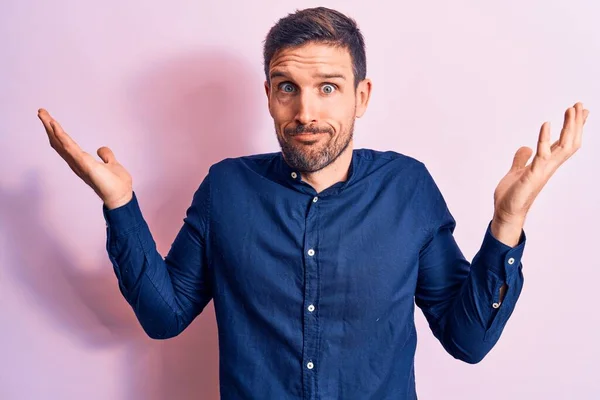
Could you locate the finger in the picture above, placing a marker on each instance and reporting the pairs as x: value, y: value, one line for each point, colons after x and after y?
x: 65, y: 140
x: 585, y: 116
x: 70, y: 150
x: 56, y: 134
x: 578, y: 113
x: 580, y: 124
x: 543, y: 144
x: 73, y: 155
x: 106, y: 155
x: 44, y: 116
x: 543, y: 150
x: 520, y: 158
x: 578, y: 127
x: 568, y: 127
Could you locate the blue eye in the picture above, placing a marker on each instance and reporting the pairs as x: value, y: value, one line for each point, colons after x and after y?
x: 328, y: 88
x: 287, y: 87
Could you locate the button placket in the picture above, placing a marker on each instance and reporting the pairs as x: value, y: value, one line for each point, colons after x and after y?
x: 311, y: 290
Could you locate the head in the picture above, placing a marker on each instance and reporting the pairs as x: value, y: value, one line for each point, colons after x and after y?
x: 316, y: 85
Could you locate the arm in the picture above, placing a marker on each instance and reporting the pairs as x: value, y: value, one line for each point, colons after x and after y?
x: 165, y: 294
x: 460, y: 300
x: 455, y: 295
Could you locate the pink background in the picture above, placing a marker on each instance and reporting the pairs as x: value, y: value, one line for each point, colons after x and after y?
x: 174, y: 88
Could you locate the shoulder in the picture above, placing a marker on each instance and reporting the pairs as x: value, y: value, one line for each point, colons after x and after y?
x: 398, y: 163
x: 251, y: 162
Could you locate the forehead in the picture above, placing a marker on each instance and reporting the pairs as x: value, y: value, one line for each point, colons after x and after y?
x: 311, y: 58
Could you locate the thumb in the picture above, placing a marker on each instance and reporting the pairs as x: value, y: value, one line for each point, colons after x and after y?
x: 106, y: 155
x: 521, y: 157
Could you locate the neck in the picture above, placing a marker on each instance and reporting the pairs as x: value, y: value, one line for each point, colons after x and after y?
x: 335, y: 172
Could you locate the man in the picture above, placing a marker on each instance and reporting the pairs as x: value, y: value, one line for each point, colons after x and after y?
x: 315, y: 256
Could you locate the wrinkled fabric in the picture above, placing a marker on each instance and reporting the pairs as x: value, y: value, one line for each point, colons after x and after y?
x: 314, y: 293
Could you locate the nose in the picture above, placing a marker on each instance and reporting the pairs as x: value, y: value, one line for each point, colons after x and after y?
x: 307, y: 109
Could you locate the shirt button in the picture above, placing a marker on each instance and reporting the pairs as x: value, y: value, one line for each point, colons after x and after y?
x: 311, y: 252
x: 315, y: 199
x: 310, y: 365
x: 496, y: 305
x: 311, y: 308
x: 511, y: 261
x: 294, y: 175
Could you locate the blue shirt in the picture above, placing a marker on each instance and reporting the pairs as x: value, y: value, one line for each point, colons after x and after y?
x: 314, y: 293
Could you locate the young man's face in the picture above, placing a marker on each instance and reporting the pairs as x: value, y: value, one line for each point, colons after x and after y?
x: 313, y: 102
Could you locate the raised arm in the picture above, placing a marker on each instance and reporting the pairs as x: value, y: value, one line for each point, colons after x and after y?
x: 166, y: 294
x: 467, y: 304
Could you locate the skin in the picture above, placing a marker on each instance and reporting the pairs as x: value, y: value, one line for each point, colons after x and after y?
x: 108, y: 178
x: 312, y: 91
x: 517, y: 191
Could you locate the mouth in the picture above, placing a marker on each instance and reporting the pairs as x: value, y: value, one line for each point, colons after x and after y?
x: 308, y: 137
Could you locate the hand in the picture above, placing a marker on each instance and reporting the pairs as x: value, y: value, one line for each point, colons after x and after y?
x: 518, y: 189
x: 109, y: 179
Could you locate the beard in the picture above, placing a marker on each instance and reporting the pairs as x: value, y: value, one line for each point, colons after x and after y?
x: 305, y: 157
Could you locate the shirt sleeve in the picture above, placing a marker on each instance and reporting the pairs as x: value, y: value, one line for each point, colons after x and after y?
x: 166, y: 294
x: 461, y: 299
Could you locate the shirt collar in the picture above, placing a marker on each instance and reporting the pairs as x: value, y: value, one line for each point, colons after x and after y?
x: 294, y: 179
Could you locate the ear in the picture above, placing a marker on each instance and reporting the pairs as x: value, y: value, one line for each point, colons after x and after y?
x: 268, y: 93
x: 363, y: 94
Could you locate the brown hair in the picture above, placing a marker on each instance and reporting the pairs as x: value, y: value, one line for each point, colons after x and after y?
x: 320, y: 25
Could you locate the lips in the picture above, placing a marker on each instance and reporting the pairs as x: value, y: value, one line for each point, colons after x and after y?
x: 308, y: 133
x: 309, y: 136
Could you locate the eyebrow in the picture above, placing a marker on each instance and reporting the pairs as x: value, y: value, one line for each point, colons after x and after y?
x: 331, y: 76
x: 281, y: 74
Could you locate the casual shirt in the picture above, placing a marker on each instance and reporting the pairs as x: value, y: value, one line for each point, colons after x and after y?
x: 315, y: 293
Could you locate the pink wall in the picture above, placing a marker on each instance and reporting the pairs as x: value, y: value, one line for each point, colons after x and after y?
x: 460, y: 85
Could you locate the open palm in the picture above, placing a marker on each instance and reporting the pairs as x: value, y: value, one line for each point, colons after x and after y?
x: 516, y: 192
x: 108, y: 178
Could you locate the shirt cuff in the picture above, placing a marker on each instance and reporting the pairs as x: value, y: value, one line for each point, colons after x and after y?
x: 125, y: 218
x: 500, y: 258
